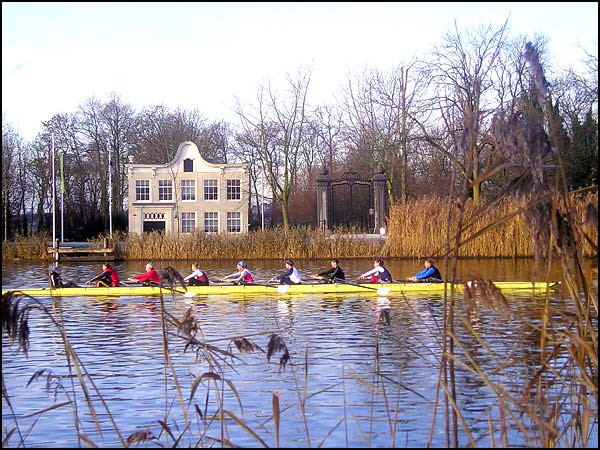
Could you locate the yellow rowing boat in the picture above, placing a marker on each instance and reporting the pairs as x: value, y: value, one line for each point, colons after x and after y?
x: 265, y: 289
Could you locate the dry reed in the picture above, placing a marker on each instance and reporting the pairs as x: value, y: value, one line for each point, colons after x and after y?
x: 419, y: 228
x: 415, y: 229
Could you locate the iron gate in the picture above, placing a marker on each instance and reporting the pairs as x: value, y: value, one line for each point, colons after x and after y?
x: 352, y: 202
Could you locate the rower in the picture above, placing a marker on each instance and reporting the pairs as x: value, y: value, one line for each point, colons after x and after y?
x: 198, y: 277
x: 151, y: 276
x: 107, y: 278
x: 378, y: 274
x: 56, y: 280
x: 332, y: 274
x: 290, y: 276
x: 242, y: 276
x: 430, y: 274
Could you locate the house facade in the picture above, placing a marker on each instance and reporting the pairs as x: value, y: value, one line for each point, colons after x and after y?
x: 188, y: 194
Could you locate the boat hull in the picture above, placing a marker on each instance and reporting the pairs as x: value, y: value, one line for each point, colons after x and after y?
x: 261, y: 289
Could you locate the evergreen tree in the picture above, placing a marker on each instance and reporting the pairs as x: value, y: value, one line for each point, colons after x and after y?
x: 581, y: 161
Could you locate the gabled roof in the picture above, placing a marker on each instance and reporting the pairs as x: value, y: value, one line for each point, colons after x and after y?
x: 189, y: 150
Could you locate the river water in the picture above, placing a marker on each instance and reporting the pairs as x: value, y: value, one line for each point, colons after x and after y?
x: 363, y: 370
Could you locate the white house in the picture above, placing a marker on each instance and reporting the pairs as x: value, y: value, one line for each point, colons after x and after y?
x: 188, y: 194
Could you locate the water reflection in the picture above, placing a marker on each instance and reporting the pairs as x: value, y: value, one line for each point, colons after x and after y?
x: 363, y: 370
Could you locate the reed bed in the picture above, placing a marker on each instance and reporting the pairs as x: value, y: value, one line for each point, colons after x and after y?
x: 416, y: 229
x: 420, y: 228
x: 23, y: 247
x: 274, y: 243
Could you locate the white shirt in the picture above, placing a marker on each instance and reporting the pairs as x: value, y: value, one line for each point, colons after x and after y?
x: 195, y: 274
x: 295, y: 276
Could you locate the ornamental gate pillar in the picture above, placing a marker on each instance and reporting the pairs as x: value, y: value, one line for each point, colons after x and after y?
x: 323, y: 199
x: 379, y: 200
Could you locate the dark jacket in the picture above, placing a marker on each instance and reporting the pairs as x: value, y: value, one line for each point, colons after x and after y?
x: 332, y: 273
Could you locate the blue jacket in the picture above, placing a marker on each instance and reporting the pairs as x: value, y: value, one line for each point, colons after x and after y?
x: 429, y: 272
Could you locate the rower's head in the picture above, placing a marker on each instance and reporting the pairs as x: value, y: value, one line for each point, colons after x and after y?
x: 195, y: 266
x: 149, y: 267
x: 241, y: 265
x: 378, y: 262
x: 334, y: 262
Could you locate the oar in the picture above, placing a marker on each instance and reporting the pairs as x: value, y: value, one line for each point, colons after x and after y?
x: 281, y: 288
x: 382, y: 291
x: 186, y: 294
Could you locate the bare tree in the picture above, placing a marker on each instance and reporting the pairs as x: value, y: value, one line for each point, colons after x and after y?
x: 120, y: 124
x: 161, y: 131
x: 462, y: 72
x: 12, y: 190
x: 245, y: 151
x: 380, y: 112
x: 39, y: 179
x: 369, y: 127
x: 326, y: 127
x: 399, y: 92
x: 277, y: 126
x: 577, y: 93
x: 79, y: 172
x: 214, y: 143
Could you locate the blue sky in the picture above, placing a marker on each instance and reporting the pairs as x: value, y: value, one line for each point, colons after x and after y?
x: 202, y: 56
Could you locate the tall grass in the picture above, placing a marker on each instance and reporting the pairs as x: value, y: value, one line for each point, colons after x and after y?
x: 274, y: 243
x: 415, y: 229
x: 21, y: 247
x: 495, y: 229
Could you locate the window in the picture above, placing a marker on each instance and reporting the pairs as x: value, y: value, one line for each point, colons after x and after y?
x: 142, y: 190
x: 211, y: 222
x: 211, y: 190
x: 188, y: 222
x: 188, y: 190
x: 234, y: 222
x: 165, y: 190
x: 234, y: 190
x: 188, y: 165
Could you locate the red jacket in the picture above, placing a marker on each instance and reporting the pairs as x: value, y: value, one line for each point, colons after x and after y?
x: 151, y: 275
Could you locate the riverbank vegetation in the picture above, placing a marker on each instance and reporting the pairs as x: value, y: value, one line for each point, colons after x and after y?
x: 417, y: 228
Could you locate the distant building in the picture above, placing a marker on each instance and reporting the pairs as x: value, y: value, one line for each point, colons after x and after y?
x: 188, y: 194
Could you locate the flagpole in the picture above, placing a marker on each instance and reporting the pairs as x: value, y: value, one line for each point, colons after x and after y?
x: 62, y: 197
x: 110, y: 169
x: 53, y: 194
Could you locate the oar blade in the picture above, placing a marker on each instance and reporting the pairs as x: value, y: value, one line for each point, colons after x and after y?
x: 283, y: 288
x: 383, y: 291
